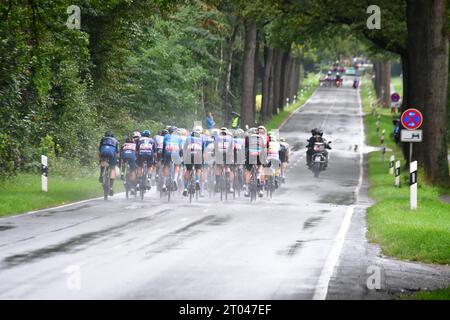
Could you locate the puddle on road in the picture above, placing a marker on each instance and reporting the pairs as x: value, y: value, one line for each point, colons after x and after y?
x: 3, y: 228
x: 292, y: 249
x: 219, y: 220
x: 297, y: 146
x: 349, y: 183
x: 74, y: 244
x: 47, y: 213
x: 311, y: 222
x: 339, y: 198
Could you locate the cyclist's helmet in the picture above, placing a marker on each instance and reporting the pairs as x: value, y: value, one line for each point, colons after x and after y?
x: 262, y: 128
x: 109, y: 133
x: 146, y: 133
x: 206, y: 132
x: 198, y: 129
x: 128, y: 139
x: 224, y: 130
x: 238, y: 133
x: 136, y: 134
x: 164, y: 132
x: 215, y: 132
x: 173, y: 129
x: 282, y: 139
x: 314, y: 131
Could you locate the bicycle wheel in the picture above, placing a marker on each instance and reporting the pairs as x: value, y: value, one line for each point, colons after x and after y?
x: 170, y: 187
x: 127, y: 181
x: 143, y: 184
x: 106, y: 182
x: 254, y: 184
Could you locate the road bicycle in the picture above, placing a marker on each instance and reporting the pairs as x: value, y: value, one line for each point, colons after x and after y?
x: 144, y: 180
x: 253, y: 184
x: 106, y: 180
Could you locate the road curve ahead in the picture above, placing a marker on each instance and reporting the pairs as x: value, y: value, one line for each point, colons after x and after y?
x: 284, y: 248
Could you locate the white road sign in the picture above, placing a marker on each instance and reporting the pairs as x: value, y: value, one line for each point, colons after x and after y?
x: 411, y: 136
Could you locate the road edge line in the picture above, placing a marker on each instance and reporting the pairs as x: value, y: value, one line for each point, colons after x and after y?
x: 321, y: 289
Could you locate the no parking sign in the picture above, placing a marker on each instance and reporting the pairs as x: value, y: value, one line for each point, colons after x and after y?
x: 411, y: 119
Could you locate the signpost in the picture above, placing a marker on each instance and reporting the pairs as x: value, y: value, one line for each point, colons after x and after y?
x: 411, y: 120
x: 413, y: 185
x: 395, y: 98
x: 44, y: 173
x: 397, y: 174
x: 391, y: 165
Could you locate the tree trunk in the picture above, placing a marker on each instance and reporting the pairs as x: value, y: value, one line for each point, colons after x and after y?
x: 283, y: 80
x: 268, y: 65
x: 248, y: 76
x: 416, y: 67
x: 256, y: 71
x: 293, y: 82
x: 227, y: 96
x: 376, y: 83
x: 385, y: 83
x: 276, y: 80
x: 436, y: 92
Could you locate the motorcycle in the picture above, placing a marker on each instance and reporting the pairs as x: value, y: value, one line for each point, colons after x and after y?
x: 319, y: 159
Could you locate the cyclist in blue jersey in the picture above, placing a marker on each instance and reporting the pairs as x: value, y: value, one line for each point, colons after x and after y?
x: 172, y: 151
x: 159, y: 141
x: 108, y: 150
x: 194, y: 147
x: 224, y: 156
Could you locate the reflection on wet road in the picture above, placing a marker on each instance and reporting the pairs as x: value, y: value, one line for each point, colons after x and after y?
x: 151, y: 249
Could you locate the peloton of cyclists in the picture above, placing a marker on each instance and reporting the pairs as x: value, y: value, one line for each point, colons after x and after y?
x: 210, y: 153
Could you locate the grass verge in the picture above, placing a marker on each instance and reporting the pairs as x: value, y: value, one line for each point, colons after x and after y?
x: 420, y: 235
x: 308, y: 87
x: 442, y: 294
x: 23, y: 193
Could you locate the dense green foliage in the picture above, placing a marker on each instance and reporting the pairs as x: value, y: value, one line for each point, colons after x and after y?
x: 133, y: 65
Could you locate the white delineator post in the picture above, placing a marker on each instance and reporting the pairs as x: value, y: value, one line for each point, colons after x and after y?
x: 413, y: 185
x: 397, y: 174
x: 391, y: 165
x: 44, y: 173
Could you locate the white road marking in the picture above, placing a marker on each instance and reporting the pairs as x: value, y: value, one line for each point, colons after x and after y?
x: 321, y: 290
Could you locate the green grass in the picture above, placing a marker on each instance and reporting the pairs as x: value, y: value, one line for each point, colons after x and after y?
x: 308, y: 87
x: 419, y: 235
x: 442, y: 294
x: 397, y: 82
x: 23, y: 192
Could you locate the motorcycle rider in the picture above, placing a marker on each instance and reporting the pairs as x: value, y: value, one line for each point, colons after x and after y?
x: 316, y: 137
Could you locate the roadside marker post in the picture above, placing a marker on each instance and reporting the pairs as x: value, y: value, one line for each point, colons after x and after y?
x: 413, y: 185
x: 391, y: 165
x: 44, y: 173
x: 397, y: 174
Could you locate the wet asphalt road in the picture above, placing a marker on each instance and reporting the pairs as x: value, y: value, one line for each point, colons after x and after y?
x: 151, y: 249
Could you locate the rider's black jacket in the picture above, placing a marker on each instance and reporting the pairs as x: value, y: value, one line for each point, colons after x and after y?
x: 317, y: 138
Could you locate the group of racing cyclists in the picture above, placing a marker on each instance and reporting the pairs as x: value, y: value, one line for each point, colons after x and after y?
x: 204, y: 151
